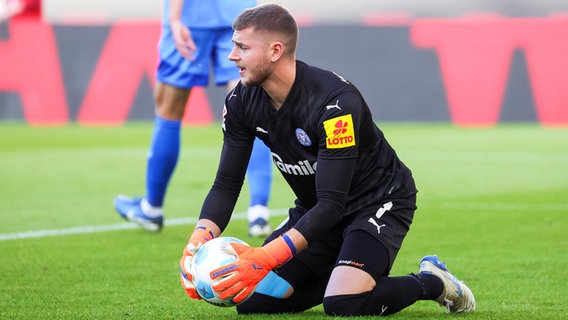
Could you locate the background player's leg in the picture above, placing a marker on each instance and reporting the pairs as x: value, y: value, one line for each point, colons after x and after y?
x: 162, y: 158
x: 166, y: 140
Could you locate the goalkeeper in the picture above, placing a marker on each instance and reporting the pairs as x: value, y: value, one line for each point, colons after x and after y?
x: 355, y: 198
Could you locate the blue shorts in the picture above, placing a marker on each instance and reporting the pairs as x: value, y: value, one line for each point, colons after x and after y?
x: 213, y: 49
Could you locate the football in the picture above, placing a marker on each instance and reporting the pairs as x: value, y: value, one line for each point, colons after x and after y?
x: 212, y: 255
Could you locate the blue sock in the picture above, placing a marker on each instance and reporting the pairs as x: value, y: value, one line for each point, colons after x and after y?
x: 162, y: 158
x: 259, y: 174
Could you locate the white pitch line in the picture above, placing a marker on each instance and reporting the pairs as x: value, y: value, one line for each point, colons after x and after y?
x: 115, y: 227
x: 242, y: 216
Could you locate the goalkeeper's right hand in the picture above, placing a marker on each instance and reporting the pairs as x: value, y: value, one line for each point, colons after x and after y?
x: 198, y: 238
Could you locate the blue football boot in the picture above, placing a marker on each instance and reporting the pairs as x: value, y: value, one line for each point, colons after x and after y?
x: 131, y: 209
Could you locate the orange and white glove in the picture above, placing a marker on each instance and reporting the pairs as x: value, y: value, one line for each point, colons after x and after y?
x: 199, y: 236
x: 241, y: 277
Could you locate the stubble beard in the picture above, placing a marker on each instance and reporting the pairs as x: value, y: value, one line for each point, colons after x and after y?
x: 258, y: 75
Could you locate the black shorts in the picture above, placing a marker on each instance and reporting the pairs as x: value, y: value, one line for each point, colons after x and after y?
x: 387, y: 223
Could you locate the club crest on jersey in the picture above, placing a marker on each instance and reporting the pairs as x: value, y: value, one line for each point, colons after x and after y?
x: 339, y: 132
x: 303, y: 138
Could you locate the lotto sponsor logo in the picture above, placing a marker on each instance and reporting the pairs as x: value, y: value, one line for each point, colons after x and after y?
x: 339, y: 131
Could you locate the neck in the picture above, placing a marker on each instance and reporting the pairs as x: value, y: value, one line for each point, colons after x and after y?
x: 280, y: 83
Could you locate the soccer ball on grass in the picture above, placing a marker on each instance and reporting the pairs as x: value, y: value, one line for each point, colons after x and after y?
x: 213, y: 254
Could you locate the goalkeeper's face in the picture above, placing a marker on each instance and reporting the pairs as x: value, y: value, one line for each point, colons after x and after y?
x: 252, y: 54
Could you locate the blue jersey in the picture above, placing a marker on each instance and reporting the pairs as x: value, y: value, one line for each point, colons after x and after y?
x: 209, y: 13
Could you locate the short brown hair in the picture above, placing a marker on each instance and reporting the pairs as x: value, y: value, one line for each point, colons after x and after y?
x: 272, y: 18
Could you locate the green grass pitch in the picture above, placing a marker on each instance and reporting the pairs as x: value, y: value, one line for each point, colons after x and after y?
x: 493, y: 204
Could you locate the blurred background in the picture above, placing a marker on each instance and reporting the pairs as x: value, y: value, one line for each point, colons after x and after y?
x: 321, y: 11
x: 472, y: 63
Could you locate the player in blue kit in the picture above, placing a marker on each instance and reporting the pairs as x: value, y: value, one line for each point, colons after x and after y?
x: 196, y: 36
x: 355, y: 199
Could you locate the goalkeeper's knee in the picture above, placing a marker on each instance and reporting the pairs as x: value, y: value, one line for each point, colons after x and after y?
x: 346, y: 305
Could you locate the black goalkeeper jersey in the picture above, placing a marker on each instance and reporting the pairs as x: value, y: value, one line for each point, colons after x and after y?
x: 323, y: 141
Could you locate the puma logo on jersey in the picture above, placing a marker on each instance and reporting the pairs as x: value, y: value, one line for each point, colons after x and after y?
x: 331, y: 106
x: 261, y: 130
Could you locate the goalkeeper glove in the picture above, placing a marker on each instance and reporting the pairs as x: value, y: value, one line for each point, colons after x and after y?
x: 239, y: 279
x: 199, y: 236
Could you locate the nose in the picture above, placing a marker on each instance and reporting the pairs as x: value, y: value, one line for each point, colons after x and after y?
x: 233, y: 55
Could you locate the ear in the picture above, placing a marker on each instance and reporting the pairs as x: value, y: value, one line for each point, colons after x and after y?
x: 277, y: 50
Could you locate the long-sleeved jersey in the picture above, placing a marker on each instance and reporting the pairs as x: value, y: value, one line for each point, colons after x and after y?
x: 323, y: 141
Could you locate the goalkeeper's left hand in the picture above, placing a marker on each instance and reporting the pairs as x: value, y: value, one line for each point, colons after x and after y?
x: 253, y: 264
x: 199, y: 236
